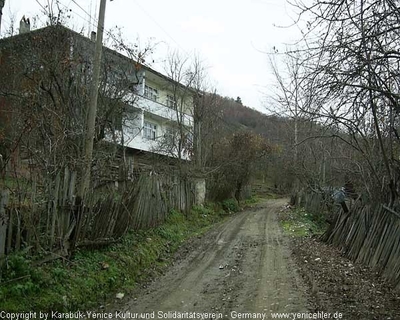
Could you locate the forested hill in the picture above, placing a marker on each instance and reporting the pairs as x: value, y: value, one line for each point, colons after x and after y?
x: 272, y: 127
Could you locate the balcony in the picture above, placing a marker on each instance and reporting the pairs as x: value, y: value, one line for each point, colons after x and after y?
x: 161, y: 115
x: 158, y: 110
x: 161, y: 111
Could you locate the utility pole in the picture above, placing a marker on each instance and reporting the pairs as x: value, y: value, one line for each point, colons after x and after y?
x: 1, y: 11
x: 91, y: 117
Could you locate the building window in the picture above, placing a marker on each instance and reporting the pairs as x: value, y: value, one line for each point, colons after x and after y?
x: 149, y: 130
x: 171, y: 101
x: 150, y: 93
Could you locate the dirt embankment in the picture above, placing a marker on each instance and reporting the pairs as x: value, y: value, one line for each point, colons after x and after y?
x: 336, y: 283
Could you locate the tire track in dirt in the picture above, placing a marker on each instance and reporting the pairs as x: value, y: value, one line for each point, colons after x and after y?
x: 241, y: 265
x: 279, y: 285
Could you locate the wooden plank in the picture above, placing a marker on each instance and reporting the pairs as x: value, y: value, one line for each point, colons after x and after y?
x: 10, y: 232
x: 18, y: 235
x: 48, y: 216
x: 29, y: 217
x: 387, y: 248
x: 71, y: 187
x: 54, y: 211
x: 65, y: 187
x: 4, y: 196
x: 391, y: 211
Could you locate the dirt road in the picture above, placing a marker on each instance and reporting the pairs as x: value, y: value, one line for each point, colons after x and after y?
x: 240, y: 267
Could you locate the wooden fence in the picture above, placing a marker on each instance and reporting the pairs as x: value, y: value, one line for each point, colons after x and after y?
x: 369, y: 235
x: 366, y: 234
x: 313, y: 202
x: 48, y: 219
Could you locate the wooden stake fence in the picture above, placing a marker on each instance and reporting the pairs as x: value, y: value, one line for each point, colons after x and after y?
x: 55, y: 224
x: 371, y: 236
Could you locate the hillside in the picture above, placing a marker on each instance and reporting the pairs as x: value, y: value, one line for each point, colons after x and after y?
x: 275, y: 129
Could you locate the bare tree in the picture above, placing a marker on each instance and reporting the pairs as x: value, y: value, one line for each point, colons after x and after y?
x: 184, y: 93
x: 351, y: 65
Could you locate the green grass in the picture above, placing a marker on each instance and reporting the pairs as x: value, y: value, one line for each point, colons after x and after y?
x: 300, y: 223
x: 252, y: 200
x: 93, y: 276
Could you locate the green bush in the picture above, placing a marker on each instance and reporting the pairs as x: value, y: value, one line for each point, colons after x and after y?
x: 16, y: 266
x: 230, y: 205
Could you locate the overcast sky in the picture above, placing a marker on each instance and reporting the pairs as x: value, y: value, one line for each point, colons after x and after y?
x: 229, y: 35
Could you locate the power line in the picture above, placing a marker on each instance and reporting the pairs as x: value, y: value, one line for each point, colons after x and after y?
x: 66, y: 7
x: 93, y: 22
x: 45, y: 10
x: 119, y: 42
x: 165, y: 31
x: 88, y: 14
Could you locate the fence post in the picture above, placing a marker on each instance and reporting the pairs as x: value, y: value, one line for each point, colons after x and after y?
x: 200, y: 191
x: 3, y: 223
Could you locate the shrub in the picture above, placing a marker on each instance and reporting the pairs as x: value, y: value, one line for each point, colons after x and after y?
x: 230, y: 205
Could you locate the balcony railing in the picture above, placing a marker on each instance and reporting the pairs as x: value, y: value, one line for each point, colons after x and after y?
x: 159, y: 109
x: 163, y: 111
